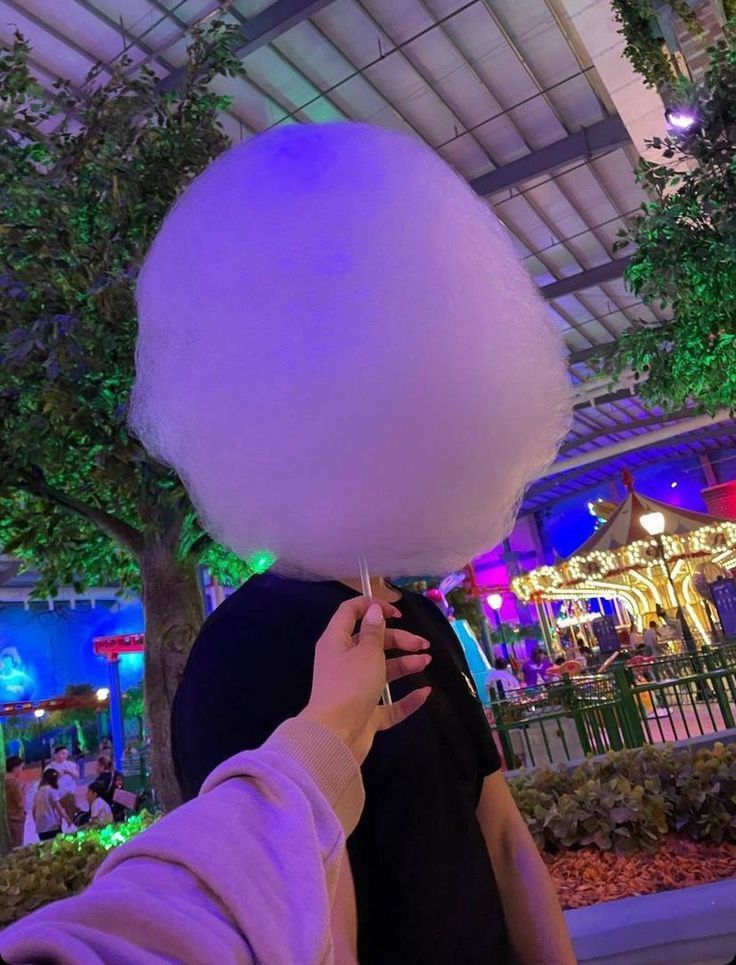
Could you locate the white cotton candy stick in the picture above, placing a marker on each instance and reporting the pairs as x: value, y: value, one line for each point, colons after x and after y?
x: 365, y: 584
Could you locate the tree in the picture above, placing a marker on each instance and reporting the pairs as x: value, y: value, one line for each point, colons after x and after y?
x: 86, y: 178
x: 685, y: 257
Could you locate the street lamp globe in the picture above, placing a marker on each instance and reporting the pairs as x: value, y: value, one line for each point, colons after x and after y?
x: 653, y: 523
x: 102, y: 694
x: 39, y: 712
x: 494, y: 601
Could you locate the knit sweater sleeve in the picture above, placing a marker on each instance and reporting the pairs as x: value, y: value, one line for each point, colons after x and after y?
x: 245, y: 873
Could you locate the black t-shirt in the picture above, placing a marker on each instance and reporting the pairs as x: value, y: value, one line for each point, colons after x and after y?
x: 424, y: 884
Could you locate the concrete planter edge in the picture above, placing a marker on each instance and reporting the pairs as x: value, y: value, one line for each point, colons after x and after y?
x: 690, y: 926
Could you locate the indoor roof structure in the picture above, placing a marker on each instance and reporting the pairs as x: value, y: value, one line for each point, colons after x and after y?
x: 529, y: 100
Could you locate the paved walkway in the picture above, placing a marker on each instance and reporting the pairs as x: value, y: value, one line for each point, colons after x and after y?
x: 673, y: 723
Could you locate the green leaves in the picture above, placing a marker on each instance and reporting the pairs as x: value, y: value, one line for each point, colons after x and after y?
x: 685, y: 257
x: 630, y: 800
x: 34, y: 875
x: 82, y: 200
x: 644, y: 46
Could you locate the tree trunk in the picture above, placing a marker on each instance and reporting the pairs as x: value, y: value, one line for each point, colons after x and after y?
x: 174, y: 611
x: 4, y: 831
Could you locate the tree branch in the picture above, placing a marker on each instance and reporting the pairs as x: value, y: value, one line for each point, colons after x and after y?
x: 128, y: 536
x: 200, y: 544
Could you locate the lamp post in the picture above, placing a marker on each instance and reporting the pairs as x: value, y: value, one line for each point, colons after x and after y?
x: 495, y: 602
x: 653, y: 523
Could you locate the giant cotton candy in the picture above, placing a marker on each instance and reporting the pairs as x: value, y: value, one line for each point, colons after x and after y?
x: 340, y: 353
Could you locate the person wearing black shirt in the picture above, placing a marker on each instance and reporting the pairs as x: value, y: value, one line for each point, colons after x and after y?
x: 439, y: 834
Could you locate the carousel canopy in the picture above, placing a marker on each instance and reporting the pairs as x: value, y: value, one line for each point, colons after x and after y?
x: 624, y: 526
x: 618, y: 559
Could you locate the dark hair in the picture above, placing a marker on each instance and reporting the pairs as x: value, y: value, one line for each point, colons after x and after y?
x: 104, y: 762
x: 559, y: 661
x: 12, y: 762
x: 500, y: 663
x: 50, y: 777
x: 587, y: 651
x: 98, y: 788
x: 60, y: 747
x: 653, y: 623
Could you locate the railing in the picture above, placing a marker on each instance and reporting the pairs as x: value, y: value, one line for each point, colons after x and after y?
x: 674, y: 698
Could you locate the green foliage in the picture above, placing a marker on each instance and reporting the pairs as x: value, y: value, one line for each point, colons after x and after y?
x: 644, y: 48
x: 630, y: 800
x: 87, y: 176
x: 515, y: 632
x: 34, y: 875
x: 467, y: 607
x: 685, y: 258
x: 133, y: 705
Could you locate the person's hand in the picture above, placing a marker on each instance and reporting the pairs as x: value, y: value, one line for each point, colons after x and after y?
x: 351, y: 671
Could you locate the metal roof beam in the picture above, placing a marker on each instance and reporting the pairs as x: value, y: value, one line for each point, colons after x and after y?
x: 594, y: 352
x: 633, y: 443
x: 262, y: 29
x: 587, y: 142
x: 621, y: 427
x: 586, y: 279
x: 575, y: 481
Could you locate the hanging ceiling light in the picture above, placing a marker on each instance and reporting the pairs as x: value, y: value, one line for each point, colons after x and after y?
x: 681, y: 119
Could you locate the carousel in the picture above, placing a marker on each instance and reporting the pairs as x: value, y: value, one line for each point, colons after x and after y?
x: 649, y: 561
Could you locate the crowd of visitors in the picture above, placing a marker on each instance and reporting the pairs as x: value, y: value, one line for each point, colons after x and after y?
x: 55, y: 803
x: 538, y: 670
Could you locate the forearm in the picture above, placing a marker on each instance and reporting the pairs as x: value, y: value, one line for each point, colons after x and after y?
x: 246, y: 872
x: 531, y: 908
x: 533, y: 916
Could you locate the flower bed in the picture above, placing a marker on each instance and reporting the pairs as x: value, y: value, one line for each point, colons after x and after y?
x: 589, y: 876
x: 630, y: 801
x: 34, y: 875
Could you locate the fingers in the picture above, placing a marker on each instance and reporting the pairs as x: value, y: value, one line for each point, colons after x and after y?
x: 398, y: 667
x: 373, y: 627
x: 351, y: 611
x: 402, y: 640
x: 394, y: 714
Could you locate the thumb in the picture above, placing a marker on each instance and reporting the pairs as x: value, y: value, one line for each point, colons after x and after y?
x: 372, y: 628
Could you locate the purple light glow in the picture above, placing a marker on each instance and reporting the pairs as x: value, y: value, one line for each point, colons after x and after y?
x: 681, y: 118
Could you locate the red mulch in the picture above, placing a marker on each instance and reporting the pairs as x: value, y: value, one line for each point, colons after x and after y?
x: 589, y: 876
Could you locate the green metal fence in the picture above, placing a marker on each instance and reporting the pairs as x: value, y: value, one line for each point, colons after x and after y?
x: 670, y: 699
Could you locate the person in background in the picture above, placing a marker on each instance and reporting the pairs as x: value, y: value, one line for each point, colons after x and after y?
x: 503, y: 676
x: 288, y: 807
x: 651, y: 638
x: 535, y: 668
x: 100, y: 812
x: 559, y: 661
x: 78, y: 755
x: 590, y: 658
x: 580, y: 655
x: 48, y: 814
x: 68, y: 775
x: 15, y: 805
x: 635, y: 638
x: 110, y: 781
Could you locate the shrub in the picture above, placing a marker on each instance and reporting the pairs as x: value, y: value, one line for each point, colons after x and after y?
x: 631, y: 800
x: 34, y: 875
